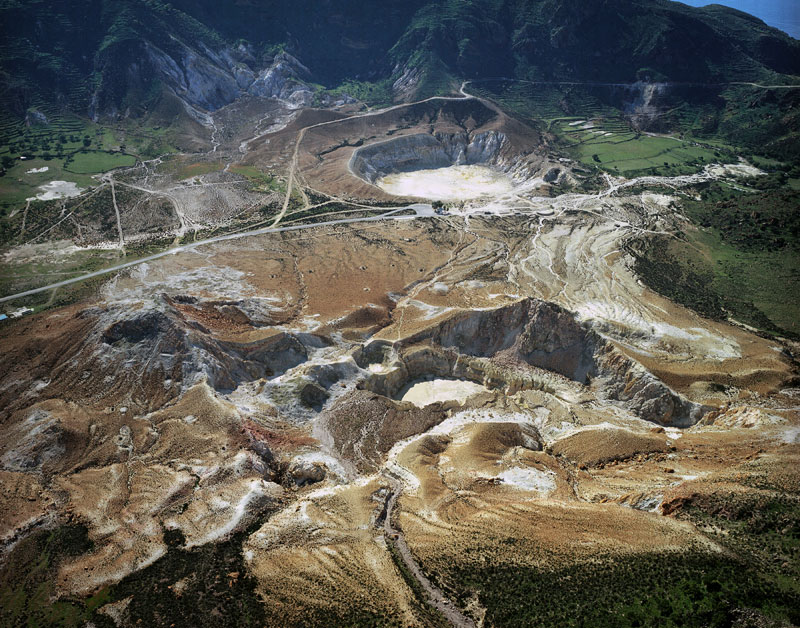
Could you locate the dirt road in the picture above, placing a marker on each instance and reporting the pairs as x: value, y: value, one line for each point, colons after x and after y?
x: 434, y: 595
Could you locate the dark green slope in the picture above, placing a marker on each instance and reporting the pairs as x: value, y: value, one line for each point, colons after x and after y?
x: 110, y: 59
x: 68, y: 51
x: 80, y: 54
x: 337, y: 40
x: 605, y: 40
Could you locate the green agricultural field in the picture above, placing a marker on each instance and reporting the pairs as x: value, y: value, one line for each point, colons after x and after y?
x: 612, y: 147
x: 63, y: 136
x: 98, y: 161
x: 18, y: 184
x: 596, y: 133
x: 72, y: 149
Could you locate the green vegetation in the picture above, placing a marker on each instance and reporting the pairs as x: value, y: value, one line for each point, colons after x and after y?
x: 17, y: 185
x: 753, y: 581
x: 71, y: 149
x: 92, y: 162
x: 262, y: 181
x: 217, y: 590
x: 60, y: 136
x: 196, y: 169
x: 680, y: 279
x: 706, y: 123
x: 631, y: 153
x: 761, y: 221
x: 28, y: 575
x: 742, y: 262
x: 35, y: 272
x: 212, y: 596
x: 378, y: 94
x: 668, y: 589
x: 763, y: 526
x: 90, y: 55
x: 591, y: 126
x: 536, y: 102
x: 717, y: 281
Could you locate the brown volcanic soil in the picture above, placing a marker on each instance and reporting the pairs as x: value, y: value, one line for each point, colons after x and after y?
x: 593, y: 446
x: 275, y: 151
x: 184, y: 456
x: 326, y: 149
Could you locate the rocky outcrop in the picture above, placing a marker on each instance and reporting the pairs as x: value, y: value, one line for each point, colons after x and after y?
x: 196, y: 78
x: 303, y: 472
x: 210, y: 79
x: 172, y: 352
x: 283, y: 80
x: 33, y: 443
x: 365, y: 426
x: 171, y: 340
x: 539, y: 333
x: 515, y: 347
x: 426, y: 151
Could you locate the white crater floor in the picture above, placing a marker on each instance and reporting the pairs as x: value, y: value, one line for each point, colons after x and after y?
x: 455, y: 183
x: 422, y: 394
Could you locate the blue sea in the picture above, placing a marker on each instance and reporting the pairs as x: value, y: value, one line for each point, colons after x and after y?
x: 783, y: 14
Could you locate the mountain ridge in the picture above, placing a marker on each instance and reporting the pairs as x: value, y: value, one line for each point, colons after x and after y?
x: 106, y: 58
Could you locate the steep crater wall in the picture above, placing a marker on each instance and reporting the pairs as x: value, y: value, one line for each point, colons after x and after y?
x: 498, y: 347
x: 425, y: 151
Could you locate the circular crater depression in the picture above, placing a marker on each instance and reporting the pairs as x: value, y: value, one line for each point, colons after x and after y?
x: 448, y: 167
x: 425, y: 392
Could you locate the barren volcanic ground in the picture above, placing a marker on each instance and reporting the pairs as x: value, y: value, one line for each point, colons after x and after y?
x: 381, y: 415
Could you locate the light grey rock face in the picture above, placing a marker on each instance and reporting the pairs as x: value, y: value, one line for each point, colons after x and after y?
x: 34, y: 442
x: 196, y: 79
x: 212, y: 79
x: 403, y: 88
x: 545, y: 336
x: 540, y: 333
x: 304, y: 472
x: 645, y: 395
x: 244, y: 76
x: 425, y: 152
x: 283, y: 80
x: 642, y: 98
x: 170, y: 344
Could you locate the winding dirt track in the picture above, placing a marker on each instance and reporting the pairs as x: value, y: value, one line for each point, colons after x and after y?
x: 376, y: 112
x: 434, y: 595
